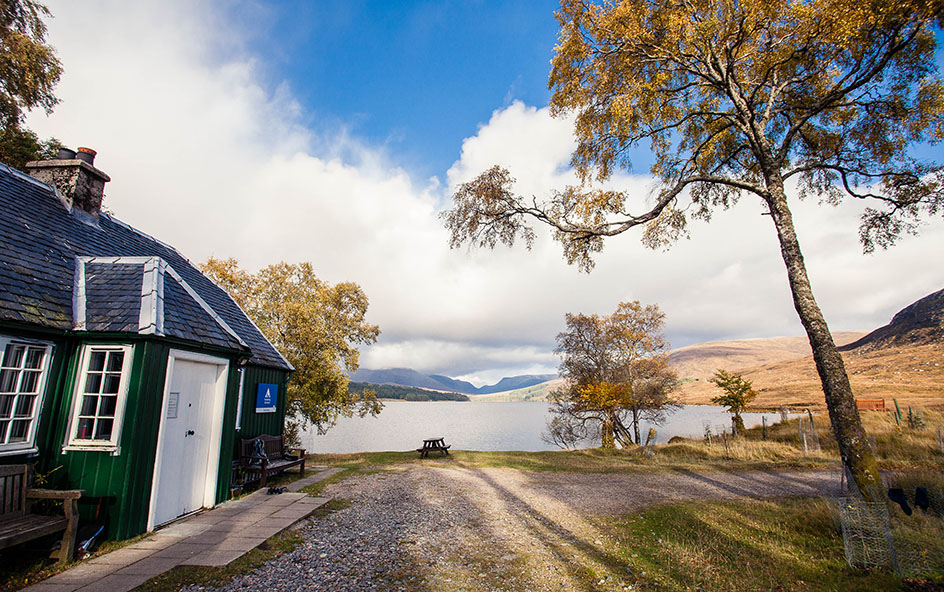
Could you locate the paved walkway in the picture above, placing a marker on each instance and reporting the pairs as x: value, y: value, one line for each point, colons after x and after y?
x: 214, y: 538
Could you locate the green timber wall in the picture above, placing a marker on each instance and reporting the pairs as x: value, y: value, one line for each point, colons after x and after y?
x: 254, y: 424
x: 120, y: 486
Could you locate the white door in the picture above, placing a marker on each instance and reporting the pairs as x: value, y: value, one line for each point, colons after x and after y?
x: 188, y: 433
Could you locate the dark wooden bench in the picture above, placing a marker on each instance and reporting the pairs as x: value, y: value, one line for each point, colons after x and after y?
x: 274, y: 461
x: 19, y: 525
x: 434, y: 445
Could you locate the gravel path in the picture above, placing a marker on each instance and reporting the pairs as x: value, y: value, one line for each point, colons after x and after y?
x: 441, y: 528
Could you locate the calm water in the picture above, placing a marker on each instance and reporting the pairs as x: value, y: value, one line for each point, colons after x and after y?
x: 486, y: 426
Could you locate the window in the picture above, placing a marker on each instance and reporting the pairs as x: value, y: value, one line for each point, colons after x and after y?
x: 101, y: 389
x: 23, y: 370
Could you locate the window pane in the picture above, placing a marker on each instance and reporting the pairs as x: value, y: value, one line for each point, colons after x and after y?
x: 93, y: 384
x: 29, y: 381
x: 8, y: 380
x: 24, y: 405
x: 6, y: 405
x: 13, y: 356
x: 103, y: 429
x: 3, y: 431
x: 34, y: 357
x: 97, y: 361
x: 111, y: 383
x: 84, y: 432
x: 89, y: 403
x: 18, y: 430
x: 106, y: 407
x: 115, y: 361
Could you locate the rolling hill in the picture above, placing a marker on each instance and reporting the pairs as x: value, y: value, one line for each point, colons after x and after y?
x: 904, y: 359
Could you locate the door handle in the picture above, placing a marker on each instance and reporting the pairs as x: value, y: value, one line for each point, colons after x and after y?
x: 189, y: 433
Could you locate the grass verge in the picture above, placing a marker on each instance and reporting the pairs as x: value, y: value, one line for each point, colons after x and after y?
x: 784, y: 545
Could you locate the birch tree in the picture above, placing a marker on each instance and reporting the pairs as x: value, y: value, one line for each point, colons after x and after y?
x: 315, y: 325
x: 737, y: 98
x: 617, y: 374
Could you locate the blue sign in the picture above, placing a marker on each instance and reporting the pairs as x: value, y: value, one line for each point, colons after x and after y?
x: 267, y: 398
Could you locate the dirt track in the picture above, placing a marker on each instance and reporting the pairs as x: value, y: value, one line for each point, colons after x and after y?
x: 439, y: 527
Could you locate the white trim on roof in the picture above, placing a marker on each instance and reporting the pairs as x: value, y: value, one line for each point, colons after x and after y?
x: 206, y: 307
x: 249, y: 318
x: 78, y: 296
x: 151, y: 319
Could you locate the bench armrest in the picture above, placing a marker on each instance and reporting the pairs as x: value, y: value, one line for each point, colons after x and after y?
x: 54, y: 494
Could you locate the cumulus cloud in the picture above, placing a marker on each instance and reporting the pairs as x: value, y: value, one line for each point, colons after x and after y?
x: 209, y: 154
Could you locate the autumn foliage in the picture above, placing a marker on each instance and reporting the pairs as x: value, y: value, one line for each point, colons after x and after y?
x: 617, y: 374
x: 315, y: 325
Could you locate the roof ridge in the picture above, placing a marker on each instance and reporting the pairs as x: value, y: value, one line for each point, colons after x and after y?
x: 124, y: 224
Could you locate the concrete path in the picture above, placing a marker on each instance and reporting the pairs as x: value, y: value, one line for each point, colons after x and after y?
x: 213, y: 538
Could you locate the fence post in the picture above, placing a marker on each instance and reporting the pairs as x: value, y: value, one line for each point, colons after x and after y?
x: 763, y: 419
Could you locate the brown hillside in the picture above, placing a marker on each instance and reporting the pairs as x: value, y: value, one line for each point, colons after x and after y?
x: 918, y: 323
x: 701, y: 360
x: 903, y: 360
x: 914, y: 375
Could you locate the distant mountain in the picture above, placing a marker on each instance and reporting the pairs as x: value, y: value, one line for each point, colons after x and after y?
x: 409, y: 377
x: 405, y: 393
x: 511, y: 383
x: 921, y: 322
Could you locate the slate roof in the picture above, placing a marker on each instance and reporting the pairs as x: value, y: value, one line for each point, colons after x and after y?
x: 49, y: 256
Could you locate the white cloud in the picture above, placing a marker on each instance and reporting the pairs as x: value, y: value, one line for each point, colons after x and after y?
x: 208, y: 154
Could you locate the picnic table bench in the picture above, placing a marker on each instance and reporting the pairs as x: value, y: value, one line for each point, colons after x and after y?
x: 433, y: 444
x: 19, y: 525
x: 267, y: 455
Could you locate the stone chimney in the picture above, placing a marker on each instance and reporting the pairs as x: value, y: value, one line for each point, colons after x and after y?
x: 78, y: 183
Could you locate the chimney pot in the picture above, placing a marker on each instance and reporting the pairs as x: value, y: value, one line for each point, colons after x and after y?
x: 77, y: 182
x: 86, y: 154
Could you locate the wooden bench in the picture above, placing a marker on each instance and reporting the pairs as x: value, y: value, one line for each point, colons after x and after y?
x: 870, y: 404
x: 19, y: 525
x: 273, y: 461
x: 432, y: 445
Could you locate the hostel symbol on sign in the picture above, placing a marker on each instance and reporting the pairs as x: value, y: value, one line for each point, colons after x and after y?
x: 267, y: 398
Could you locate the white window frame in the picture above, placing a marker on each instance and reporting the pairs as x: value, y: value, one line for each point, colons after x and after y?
x: 113, y: 444
x: 28, y: 446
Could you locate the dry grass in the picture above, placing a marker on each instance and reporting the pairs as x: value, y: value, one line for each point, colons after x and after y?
x: 896, y: 448
x: 914, y: 375
x: 703, y: 359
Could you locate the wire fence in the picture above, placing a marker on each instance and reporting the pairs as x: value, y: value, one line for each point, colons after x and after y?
x: 902, y: 535
x: 808, y: 438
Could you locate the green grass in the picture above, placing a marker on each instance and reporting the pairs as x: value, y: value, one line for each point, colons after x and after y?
x: 688, y: 455
x: 784, y: 545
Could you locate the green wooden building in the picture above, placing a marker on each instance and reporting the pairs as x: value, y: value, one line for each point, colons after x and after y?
x: 122, y: 366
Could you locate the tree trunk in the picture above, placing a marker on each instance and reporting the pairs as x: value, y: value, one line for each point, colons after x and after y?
x: 636, y: 426
x: 606, y: 434
x: 857, y: 456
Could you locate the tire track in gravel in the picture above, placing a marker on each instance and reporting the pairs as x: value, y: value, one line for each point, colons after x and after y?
x: 445, y: 528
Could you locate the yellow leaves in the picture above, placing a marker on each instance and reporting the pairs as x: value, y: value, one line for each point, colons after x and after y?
x: 315, y: 325
x: 605, y: 396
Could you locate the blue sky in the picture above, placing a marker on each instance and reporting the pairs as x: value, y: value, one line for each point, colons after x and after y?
x: 336, y: 133
x: 413, y: 77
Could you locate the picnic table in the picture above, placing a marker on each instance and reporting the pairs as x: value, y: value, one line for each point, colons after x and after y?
x: 431, y: 444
